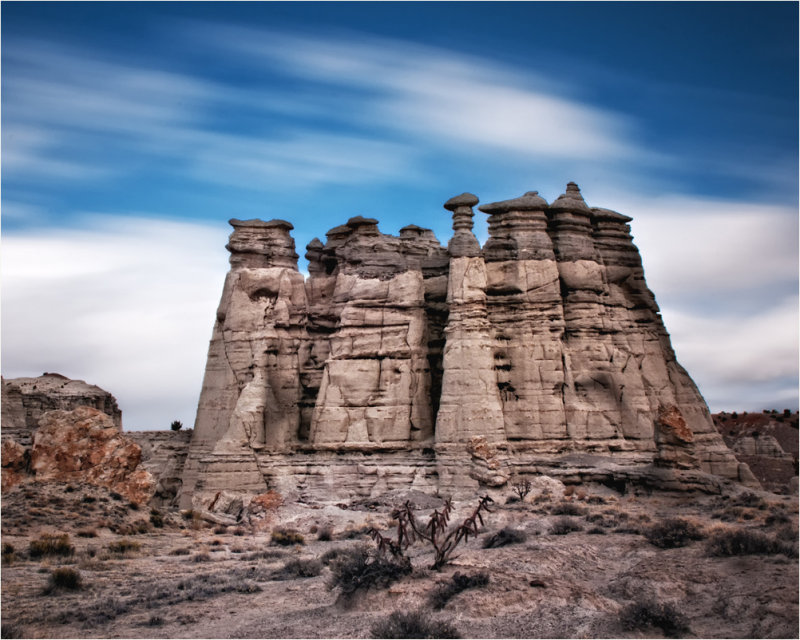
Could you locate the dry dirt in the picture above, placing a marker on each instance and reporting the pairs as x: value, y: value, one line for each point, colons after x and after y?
x: 189, y: 579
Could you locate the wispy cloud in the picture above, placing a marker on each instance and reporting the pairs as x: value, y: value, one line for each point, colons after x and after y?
x: 125, y: 303
x: 441, y: 95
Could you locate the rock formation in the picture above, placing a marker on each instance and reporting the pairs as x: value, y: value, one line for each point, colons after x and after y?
x: 401, y: 364
x: 84, y: 445
x: 25, y: 400
x: 163, y: 454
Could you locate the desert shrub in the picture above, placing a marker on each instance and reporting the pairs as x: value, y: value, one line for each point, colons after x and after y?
x: 286, y: 537
x: 442, y: 594
x: 567, y: 509
x: 748, y: 499
x: 156, y: 518
x: 597, y: 531
x: 9, y: 553
x: 412, y: 624
x: 201, y: 557
x: 672, y: 533
x: 86, y: 533
x: 298, y: 569
x: 505, y: 536
x: 88, y: 499
x: 565, y: 525
x: 180, y: 551
x: 743, y: 542
x: 51, y: 545
x: 777, y: 517
x: 325, y: 533
x: 64, y: 578
x: 124, y: 546
x: 359, y: 570
x: 334, y: 554
x: 115, y: 496
x: 355, y: 532
x: 239, y: 531
x: 221, y: 529
x: 176, y: 425
x: 647, y: 613
x: 10, y: 630
x: 522, y: 488
x: 155, y: 621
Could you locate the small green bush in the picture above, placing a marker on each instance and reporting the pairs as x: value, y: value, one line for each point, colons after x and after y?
x: 672, y: 533
x: 443, y: 593
x: 64, y: 578
x: 287, y: 537
x: 646, y: 613
x: 413, y: 624
x: 504, y: 537
x: 51, y: 545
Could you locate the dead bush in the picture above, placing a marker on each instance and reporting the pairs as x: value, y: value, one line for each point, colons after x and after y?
x: 124, y: 546
x: 567, y: 509
x: 50, y: 545
x: 744, y: 542
x: 565, y: 525
x: 646, y: 613
x: 413, y: 624
x: 287, y: 537
x: 65, y: 578
x: 298, y: 568
x: 444, y: 592
x: 672, y: 533
x: 86, y: 533
x: 504, y: 537
x: 359, y: 570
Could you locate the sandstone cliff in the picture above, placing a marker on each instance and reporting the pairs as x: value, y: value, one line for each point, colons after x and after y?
x: 401, y: 364
x: 25, y: 400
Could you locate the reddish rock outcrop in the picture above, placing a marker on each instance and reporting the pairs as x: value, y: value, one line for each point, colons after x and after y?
x: 84, y: 445
x: 15, y: 463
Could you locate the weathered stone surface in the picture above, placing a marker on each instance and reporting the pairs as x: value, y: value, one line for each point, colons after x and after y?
x: 25, y: 400
x: 15, y: 463
x: 84, y: 445
x: 164, y: 455
x: 545, y: 347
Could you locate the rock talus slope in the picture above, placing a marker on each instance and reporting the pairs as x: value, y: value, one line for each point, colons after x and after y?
x: 398, y: 363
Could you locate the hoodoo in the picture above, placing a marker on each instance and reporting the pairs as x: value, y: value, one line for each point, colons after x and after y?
x: 400, y: 364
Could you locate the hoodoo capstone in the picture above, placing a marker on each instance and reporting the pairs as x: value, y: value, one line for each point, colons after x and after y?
x: 401, y: 364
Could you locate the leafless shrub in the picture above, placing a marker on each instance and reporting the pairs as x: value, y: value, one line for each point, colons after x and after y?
x: 522, y: 488
x: 86, y: 533
x: 646, y: 613
x: 444, y: 592
x: 743, y: 542
x: 124, y: 546
x: 298, y: 569
x: 50, y: 545
x: 567, y: 509
x: 673, y: 532
x: 287, y: 537
x: 65, y: 578
x: 413, y: 624
x: 565, y: 525
x: 504, y: 537
x: 358, y: 570
x: 435, y: 533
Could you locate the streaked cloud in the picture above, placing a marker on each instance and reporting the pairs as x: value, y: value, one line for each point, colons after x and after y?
x: 125, y: 303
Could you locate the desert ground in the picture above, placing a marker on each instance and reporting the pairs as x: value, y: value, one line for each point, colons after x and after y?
x: 585, y: 563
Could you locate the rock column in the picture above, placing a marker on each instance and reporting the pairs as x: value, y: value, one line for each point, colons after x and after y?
x: 524, y: 303
x: 470, y: 409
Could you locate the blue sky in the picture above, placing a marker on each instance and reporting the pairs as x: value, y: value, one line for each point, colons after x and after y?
x: 131, y: 132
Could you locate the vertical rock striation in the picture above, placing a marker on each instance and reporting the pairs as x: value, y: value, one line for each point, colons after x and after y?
x: 400, y: 363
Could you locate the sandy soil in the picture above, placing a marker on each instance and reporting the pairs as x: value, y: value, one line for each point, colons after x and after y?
x: 192, y: 580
